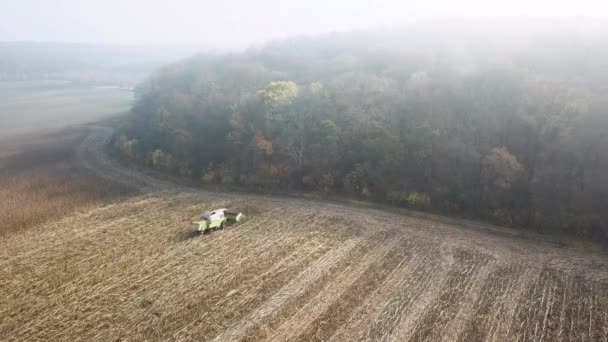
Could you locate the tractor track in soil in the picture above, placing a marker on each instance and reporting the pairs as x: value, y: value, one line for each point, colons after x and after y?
x: 294, y: 270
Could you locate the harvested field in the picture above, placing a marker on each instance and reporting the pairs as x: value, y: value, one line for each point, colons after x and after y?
x: 295, y: 270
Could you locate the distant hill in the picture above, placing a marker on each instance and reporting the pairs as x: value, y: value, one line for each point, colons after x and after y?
x: 26, y: 61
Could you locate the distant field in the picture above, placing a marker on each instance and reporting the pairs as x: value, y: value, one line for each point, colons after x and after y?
x: 31, y: 107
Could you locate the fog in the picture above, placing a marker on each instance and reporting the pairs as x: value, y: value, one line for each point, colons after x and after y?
x: 408, y: 170
x: 236, y: 24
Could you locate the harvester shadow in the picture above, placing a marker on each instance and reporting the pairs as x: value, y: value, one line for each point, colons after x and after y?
x: 187, y: 235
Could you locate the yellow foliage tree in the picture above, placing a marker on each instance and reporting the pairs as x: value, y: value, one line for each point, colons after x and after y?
x: 278, y: 92
x: 262, y: 144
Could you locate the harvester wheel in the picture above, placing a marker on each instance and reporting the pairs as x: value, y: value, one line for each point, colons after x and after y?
x: 222, y: 226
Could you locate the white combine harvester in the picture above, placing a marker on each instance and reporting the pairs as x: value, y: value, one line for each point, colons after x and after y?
x: 216, y: 219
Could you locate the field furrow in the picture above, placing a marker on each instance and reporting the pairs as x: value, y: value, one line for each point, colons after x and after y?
x: 325, y: 326
x: 458, y: 282
x: 299, y: 322
x: 490, y: 310
x: 289, y: 299
x: 380, y: 315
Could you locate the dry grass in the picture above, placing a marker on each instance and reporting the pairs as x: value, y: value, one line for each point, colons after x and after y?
x: 295, y: 270
x: 41, y: 180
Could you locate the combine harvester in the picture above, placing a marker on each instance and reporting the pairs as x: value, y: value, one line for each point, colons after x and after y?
x: 216, y: 219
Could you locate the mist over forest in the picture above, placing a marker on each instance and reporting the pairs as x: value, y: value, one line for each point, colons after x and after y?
x: 503, y: 120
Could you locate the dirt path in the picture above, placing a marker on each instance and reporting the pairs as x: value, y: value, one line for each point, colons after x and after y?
x: 93, y: 155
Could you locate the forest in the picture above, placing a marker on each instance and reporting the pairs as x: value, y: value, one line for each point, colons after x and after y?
x: 505, y: 125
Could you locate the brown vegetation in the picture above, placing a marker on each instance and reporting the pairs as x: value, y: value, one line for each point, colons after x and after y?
x: 41, y: 179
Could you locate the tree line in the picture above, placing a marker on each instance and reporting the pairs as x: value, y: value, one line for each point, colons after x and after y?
x: 515, y: 134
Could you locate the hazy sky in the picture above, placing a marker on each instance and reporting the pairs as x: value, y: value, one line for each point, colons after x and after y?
x: 239, y: 23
